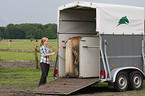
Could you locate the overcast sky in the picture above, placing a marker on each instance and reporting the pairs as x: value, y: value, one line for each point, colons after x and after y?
x: 43, y: 11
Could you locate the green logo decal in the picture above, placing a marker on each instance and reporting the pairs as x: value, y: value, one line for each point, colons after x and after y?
x: 123, y: 20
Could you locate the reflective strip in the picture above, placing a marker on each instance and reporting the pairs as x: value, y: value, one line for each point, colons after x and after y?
x: 135, y: 56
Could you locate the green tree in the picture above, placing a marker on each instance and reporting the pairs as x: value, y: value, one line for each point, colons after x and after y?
x: 2, y: 32
x: 28, y: 30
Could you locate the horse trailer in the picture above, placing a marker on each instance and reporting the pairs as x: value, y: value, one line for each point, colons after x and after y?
x: 111, y: 48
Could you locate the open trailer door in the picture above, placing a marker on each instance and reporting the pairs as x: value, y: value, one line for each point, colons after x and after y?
x: 89, y: 58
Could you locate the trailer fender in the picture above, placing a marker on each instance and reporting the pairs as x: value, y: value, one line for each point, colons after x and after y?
x: 115, y: 71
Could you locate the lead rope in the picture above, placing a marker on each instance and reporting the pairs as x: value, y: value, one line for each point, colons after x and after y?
x: 57, y: 50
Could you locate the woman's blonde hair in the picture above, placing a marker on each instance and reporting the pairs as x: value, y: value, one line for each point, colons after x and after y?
x: 42, y: 41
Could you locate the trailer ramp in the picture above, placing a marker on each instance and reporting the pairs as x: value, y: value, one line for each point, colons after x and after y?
x: 64, y: 86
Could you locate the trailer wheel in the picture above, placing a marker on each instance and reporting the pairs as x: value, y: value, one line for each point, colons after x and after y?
x: 136, y: 80
x: 121, y: 83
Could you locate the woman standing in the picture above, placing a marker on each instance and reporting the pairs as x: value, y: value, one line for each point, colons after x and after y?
x: 44, y: 62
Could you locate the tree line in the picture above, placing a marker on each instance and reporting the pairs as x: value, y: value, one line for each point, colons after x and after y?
x: 27, y: 31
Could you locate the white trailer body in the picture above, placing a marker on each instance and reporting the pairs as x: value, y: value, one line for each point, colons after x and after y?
x: 105, y: 17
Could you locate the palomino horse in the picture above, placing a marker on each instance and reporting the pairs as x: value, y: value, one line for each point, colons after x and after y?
x: 72, y: 46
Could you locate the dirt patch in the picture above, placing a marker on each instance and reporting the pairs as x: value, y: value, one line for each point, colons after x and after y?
x: 105, y: 91
x: 15, y: 90
x: 21, y: 94
x: 17, y: 94
x: 18, y: 65
x: 21, y: 65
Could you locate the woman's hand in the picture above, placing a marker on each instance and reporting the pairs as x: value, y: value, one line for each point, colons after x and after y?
x: 49, y: 54
x: 50, y: 45
x: 52, y: 53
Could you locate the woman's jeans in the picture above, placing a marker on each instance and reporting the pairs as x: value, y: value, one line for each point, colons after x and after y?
x: 44, y: 69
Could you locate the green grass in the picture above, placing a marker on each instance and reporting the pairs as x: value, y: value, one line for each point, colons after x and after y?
x: 22, y: 44
x: 21, y: 77
x: 17, y: 56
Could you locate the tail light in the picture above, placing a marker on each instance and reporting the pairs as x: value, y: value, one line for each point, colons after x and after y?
x: 103, y: 74
x: 55, y: 73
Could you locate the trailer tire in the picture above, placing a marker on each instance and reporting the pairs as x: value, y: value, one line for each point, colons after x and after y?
x: 136, y: 80
x: 121, y: 83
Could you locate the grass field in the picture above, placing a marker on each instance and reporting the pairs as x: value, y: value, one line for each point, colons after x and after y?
x: 20, y: 80
x: 21, y: 44
x: 28, y: 76
x: 15, y: 80
x: 24, y: 44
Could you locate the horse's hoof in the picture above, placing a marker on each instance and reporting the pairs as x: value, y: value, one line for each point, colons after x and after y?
x: 77, y: 76
x: 64, y: 76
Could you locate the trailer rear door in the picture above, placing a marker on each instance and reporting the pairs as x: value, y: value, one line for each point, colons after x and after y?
x: 89, y: 57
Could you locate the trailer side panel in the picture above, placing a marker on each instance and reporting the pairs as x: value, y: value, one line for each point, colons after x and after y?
x: 124, y: 50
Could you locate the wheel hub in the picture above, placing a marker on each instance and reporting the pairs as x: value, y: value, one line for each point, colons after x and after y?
x: 137, y: 81
x: 122, y: 82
